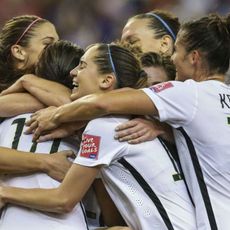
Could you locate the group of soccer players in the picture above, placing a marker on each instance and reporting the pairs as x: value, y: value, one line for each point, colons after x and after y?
x: 165, y: 169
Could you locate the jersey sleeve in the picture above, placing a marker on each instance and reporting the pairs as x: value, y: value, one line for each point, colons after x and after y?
x: 98, y: 146
x: 175, y: 101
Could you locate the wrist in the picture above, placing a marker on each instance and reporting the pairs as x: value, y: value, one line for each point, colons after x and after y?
x: 57, y: 117
x: 26, y: 81
x: 42, y: 164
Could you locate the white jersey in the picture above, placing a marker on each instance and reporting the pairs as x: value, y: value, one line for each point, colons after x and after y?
x: 19, y: 218
x: 200, y: 114
x: 142, y: 180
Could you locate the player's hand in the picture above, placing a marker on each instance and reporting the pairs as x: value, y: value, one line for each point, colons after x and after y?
x: 57, y: 164
x: 18, y: 87
x: 60, y: 132
x: 42, y: 121
x: 137, y: 130
x: 64, y: 130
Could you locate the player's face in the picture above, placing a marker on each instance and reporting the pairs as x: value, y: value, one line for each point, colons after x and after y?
x: 85, y: 76
x: 137, y: 32
x: 44, y: 35
x: 182, y: 60
x: 155, y: 75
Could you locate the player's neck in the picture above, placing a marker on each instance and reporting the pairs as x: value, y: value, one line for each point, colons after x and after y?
x: 216, y: 77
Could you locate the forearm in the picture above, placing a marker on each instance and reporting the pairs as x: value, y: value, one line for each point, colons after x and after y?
x: 114, y: 102
x: 85, y: 108
x: 61, y: 200
x: 42, y: 199
x: 48, y: 92
x: 18, y: 103
x: 13, y: 161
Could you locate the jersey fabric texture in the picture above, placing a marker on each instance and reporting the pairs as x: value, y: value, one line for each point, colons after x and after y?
x: 15, y: 217
x: 200, y: 114
x: 141, y: 179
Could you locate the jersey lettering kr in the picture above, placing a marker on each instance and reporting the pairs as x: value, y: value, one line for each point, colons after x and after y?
x: 225, y: 100
x: 200, y: 114
x: 11, y: 135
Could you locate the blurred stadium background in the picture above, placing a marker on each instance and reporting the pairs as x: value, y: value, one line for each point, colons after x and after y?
x: 88, y: 21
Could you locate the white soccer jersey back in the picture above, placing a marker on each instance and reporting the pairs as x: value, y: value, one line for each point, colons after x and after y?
x: 11, y: 135
x: 200, y: 114
x: 142, y: 180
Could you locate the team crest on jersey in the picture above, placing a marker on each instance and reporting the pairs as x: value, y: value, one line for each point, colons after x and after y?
x: 162, y: 86
x: 90, y: 146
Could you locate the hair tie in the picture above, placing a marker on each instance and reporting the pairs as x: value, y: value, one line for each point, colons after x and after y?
x: 26, y: 30
x: 112, y: 65
x: 164, y: 24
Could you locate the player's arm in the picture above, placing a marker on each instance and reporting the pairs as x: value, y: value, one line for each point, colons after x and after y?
x: 64, y: 130
x: 15, y: 100
x: 95, y: 105
x: 128, y: 101
x: 110, y: 213
x: 18, y: 103
x: 125, y: 101
x: 47, y: 92
x: 59, y: 200
x: 16, y: 162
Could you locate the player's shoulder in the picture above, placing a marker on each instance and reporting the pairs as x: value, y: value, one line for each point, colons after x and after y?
x: 110, y: 119
x: 172, y: 86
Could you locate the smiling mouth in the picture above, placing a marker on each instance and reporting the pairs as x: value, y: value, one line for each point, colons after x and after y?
x: 75, y: 84
x: 75, y: 87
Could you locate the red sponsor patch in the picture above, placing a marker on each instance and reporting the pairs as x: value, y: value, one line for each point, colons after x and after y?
x: 160, y: 87
x: 90, y: 146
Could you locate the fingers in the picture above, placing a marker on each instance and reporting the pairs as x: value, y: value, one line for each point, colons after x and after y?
x: 37, y: 133
x: 46, y: 137
x: 50, y: 135
x: 33, y: 118
x: 4, y: 92
x: 133, y: 136
x: 127, y: 133
x: 67, y: 153
x: 7, y: 91
x: 32, y: 127
x: 70, y: 153
x: 126, y: 125
x: 136, y: 131
x: 137, y: 140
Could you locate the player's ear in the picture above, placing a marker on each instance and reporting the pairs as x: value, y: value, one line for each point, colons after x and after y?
x: 166, y: 44
x: 107, y: 81
x: 18, y: 52
x: 194, y: 57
